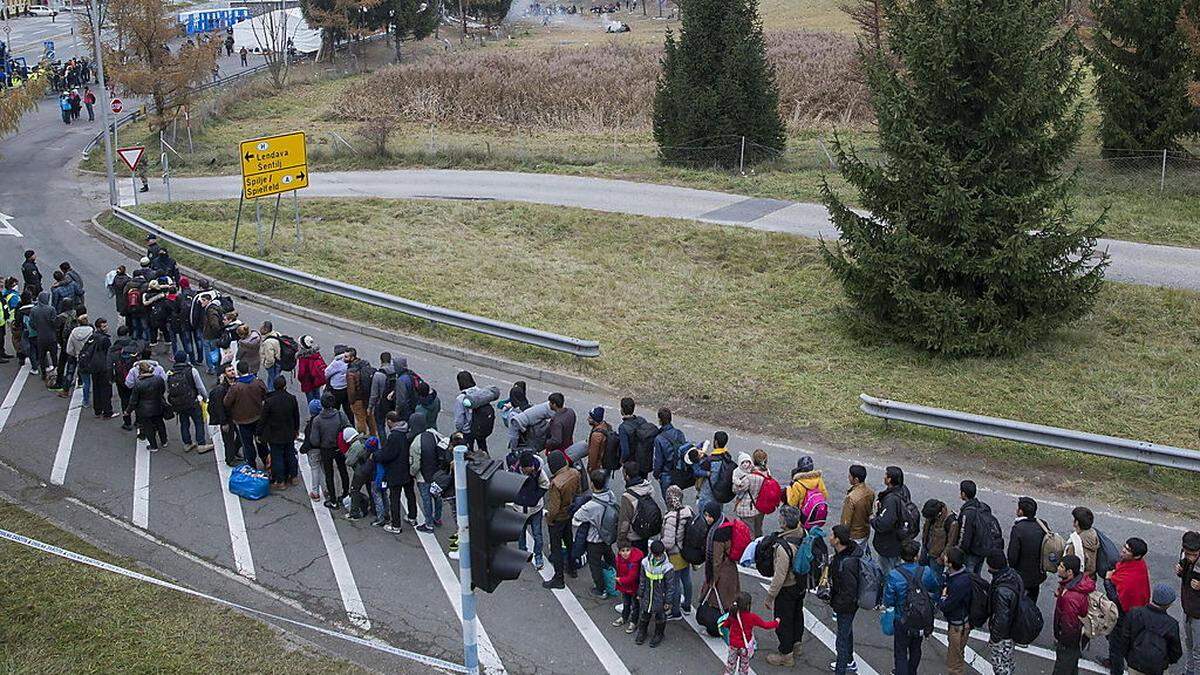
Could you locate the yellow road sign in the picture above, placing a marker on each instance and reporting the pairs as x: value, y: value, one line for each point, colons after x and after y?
x: 273, y: 164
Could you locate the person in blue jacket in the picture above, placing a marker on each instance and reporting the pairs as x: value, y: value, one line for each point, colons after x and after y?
x: 955, y: 605
x: 667, y: 444
x: 895, y: 594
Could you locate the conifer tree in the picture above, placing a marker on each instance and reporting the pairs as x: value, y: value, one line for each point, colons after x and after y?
x: 970, y: 246
x: 716, y: 87
x: 1142, y: 66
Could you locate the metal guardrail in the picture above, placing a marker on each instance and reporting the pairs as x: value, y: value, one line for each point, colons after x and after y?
x: 1036, y: 434
x: 431, y: 313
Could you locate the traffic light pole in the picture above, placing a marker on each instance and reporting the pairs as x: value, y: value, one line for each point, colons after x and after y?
x: 470, y: 646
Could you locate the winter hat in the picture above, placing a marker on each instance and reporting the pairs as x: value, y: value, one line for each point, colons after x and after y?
x: 349, y: 434
x: 597, y: 414
x: 181, y: 356
x: 657, y: 548
x: 314, y: 407
x: 712, y: 509
x: 527, y: 460
x: 744, y: 458
x: 804, y: 464
x: 1163, y: 595
x: 307, y: 341
x: 372, y: 443
x: 145, y: 262
x: 556, y: 461
x: 185, y: 282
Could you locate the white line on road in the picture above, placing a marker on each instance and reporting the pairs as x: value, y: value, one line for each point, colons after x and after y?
x: 787, y: 447
x: 141, y: 485
x: 599, y: 644
x: 351, y: 599
x: 1040, y: 652
x: 14, y: 391
x: 716, y: 645
x: 63, y: 456
x: 971, y: 656
x: 489, y: 660
x: 242, y: 558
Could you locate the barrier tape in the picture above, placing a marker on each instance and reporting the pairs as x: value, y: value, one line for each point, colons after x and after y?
x: 100, y: 564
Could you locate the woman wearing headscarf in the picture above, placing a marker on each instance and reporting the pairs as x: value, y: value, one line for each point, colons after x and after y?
x: 721, y: 579
x: 747, y: 483
x: 675, y: 523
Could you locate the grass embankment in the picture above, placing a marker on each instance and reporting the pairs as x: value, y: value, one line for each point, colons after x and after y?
x: 61, y: 616
x: 745, y: 327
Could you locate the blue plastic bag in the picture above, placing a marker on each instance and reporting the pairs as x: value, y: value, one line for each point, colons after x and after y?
x: 213, y: 357
x: 610, y: 580
x: 887, y: 622
x: 249, y: 483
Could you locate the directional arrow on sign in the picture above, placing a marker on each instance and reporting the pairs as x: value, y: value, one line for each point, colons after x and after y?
x: 6, y: 227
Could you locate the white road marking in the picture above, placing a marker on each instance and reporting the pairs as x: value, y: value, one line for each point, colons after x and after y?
x: 242, y: 558
x: 14, y: 391
x: 351, y: 599
x: 141, y: 485
x: 971, y: 656
x: 787, y: 447
x: 63, y: 456
x: 489, y: 660
x: 599, y: 644
x: 716, y: 645
x: 6, y: 226
x: 1043, y: 653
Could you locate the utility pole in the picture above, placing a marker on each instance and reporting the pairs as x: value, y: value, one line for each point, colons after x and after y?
x: 105, y: 105
x: 469, y: 623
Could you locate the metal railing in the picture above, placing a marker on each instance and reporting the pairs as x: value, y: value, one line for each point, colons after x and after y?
x: 419, y: 310
x: 1036, y: 434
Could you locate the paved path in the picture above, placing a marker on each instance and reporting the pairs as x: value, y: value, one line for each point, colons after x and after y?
x: 1132, y: 262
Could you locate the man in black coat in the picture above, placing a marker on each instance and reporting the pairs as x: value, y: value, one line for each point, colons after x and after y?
x: 219, y: 417
x: 845, y: 575
x: 394, y: 456
x: 1004, y: 594
x: 100, y: 368
x: 1025, y: 547
x: 889, y: 518
x: 1149, y: 636
x: 279, y: 427
x: 31, y: 273
x: 146, y: 401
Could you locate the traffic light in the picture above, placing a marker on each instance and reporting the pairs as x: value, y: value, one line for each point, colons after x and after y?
x: 490, y: 488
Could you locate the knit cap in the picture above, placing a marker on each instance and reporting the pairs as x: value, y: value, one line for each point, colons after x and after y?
x: 1163, y: 595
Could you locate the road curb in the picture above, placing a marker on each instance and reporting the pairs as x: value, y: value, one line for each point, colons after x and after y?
x: 521, y: 370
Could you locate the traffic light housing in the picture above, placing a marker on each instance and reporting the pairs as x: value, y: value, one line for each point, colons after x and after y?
x: 490, y: 488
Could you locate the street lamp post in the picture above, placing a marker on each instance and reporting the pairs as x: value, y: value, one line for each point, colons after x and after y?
x: 105, y: 109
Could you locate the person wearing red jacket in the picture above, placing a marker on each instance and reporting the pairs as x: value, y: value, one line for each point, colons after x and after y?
x: 310, y: 368
x: 741, y: 622
x: 1131, y: 582
x: 1070, y: 606
x: 629, y: 565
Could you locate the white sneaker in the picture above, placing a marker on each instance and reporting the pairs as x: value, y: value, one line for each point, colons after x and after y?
x: 620, y: 607
x: 852, y: 668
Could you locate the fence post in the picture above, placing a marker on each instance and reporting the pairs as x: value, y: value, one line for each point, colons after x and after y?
x: 742, y: 157
x: 1162, y: 181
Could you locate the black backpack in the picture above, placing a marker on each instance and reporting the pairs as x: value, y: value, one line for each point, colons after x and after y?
x: 764, y: 554
x: 910, y: 520
x: 695, y: 541
x: 88, y: 363
x: 610, y: 456
x: 181, y: 390
x: 226, y: 303
x: 918, y: 606
x: 1027, y: 623
x: 989, y: 538
x: 721, y: 479
x: 642, y: 442
x: 980, y: 608
x: 647, y: 518
x: 288, y: 349
x: 483, y: 421
x: 1149, y: 651
x: 366, y: 372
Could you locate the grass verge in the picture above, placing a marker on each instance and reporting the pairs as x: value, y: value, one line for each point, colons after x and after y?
x: 744, y: 327
x: 64, y: 617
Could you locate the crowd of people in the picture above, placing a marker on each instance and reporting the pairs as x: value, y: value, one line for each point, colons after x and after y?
x: 684, y: 509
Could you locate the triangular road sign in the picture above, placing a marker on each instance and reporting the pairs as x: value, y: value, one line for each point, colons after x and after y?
x: 131, y: 156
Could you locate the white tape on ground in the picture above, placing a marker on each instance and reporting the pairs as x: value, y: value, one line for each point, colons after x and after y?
x: 62, y: 457
x: 141, y: 485
x: 100, y: 564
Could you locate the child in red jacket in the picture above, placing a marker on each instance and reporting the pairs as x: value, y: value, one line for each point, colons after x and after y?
x: 629, y: 565
x: 741, y: 623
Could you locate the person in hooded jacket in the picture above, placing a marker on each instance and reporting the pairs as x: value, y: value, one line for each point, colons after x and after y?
x: 804, y: 478
x: 146, y: 401
x: 462, y: 414
x: 45, y: 343
x: 64, y: 323
x: 424, y: 454
x: 1149, y: 635
x: 530, y: 500
x: 889, y: 519
x: 747, y: 483
x: 310, y: 368
x: 249, y: 348
x: 940, y: 528
x: 269, y: 350
x: 653, y: 582
x: 1070, y: 606
x: 564, y: 487
x: 279, y: 429
x: 636, y: 486
x: 722, y: 581
x: 597, y: 441
x: 973, y: 538
x: 675, y: 521
x: 323, y: 437
x: 591, y: 513
x: 404, y: 396
x: 398, y: 479
x: 1025, y: 547
x: 190, y: 417
x: 1004, y: 595
x: 428, y: 403
x: 380, y: 401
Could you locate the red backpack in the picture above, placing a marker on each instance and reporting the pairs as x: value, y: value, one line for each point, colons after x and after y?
x: 740, y: 536
x: 770, y: 495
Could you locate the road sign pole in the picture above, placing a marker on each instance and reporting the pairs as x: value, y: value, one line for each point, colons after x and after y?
x: 275, y: 218
x: 469, y: 628
x: 299, y: 236
x: 237, y: 224
x: 104, y: 103
x: 258, y: 226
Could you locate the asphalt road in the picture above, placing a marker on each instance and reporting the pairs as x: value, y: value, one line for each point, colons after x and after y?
x: 1132, y: 262
x: 29, y: 32
x: 169, y: 509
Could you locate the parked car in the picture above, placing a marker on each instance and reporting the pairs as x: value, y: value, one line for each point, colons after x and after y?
x: 41, y: 10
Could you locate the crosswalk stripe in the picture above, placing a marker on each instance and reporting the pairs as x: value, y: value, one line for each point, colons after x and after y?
x: 141, y: 485
x: 351, y: 599
x: 971, y: 656
x: 489, y: 660
x: 65, y: 442
x: 242, y: 558
x: 14, y: 391
x: 592, y: 636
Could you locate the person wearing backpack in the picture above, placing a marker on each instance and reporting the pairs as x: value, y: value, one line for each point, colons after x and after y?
x: 122, y: 354
x: 593, y: 513
x: 146, y: 400
x: 978, y: 528
x: 637, y: 511
x: 1025, y: 547
x: 599, y: 440
x: 939, y: 530
x: 96, y: 364
x: 845, y: 577
x: 1130, y: 582
x: 714, y: 473
x: 244, y: 403
x: 747, y: 483
x: 530, y: 500
x: 785, y: 596
x: 425, y: 457
x: 310, y: 368
x: 1083, y: 543
x: 427, y: 403
x: 359, y: 373
x: 722, y: 581
x: 912, y: 605
x: 805, y: 479
x: 269, y: 352
x: 1150, y: 636
x: 185, y: 390
x: 76, y: 339
x: 1070, y: 607
x: 675, y: 524
x: 955, y: 605
x: 564, y: 487
x: 636, y: 437
x: 667, y: 447
x: 381, y: 399
x: 888, y: 522
x: 1188, y: 572
x: 1004, y: 596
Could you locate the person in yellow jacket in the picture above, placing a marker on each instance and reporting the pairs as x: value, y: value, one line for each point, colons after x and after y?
x: 805, y: 478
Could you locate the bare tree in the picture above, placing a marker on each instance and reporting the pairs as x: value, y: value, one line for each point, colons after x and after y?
x: 272, y: 31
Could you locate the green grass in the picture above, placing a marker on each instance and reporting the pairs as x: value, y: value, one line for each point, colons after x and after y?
x: 745, y: 327
x: 64, y: 617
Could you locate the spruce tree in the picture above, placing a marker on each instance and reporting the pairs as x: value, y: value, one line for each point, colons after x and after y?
x: 970, y: 246
x: 716, y: 87
x: 1142, y: 69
